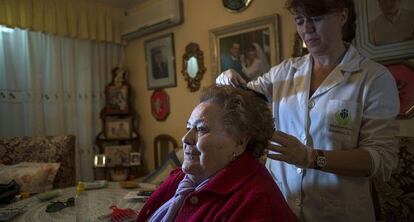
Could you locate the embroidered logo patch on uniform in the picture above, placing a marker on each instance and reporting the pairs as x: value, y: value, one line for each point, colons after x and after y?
x: 342, y: 117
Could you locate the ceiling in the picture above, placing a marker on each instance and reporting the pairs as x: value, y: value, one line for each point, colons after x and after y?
x: 123, y: 4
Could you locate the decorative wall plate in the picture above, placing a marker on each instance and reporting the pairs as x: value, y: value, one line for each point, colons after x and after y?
x: 236, y: 5
x: 160, y: 105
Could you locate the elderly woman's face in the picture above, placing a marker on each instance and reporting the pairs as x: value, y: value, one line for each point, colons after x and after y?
x: 207, y: 146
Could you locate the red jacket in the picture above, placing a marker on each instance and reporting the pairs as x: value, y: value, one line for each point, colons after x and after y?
x: 242, y: 191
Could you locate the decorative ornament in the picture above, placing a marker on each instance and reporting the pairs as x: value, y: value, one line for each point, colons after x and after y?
x: 160, y: 105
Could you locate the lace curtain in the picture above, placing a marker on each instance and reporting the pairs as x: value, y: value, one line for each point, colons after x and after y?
x: 52, y: 85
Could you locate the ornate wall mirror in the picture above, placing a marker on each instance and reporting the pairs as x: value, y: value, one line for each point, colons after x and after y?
x: 193, y: 66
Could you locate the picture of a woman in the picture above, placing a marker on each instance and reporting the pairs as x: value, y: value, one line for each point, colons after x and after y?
x: 254, y: 61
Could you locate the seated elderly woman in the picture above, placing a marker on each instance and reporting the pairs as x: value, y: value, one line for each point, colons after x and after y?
x: 221, y: 178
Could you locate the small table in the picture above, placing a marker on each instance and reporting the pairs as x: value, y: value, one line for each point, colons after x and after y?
x: 99, y: 202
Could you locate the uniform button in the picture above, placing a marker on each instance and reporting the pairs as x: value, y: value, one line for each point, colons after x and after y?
x: 311, y: 104
x: 194, y: 200
x: 299, y: 170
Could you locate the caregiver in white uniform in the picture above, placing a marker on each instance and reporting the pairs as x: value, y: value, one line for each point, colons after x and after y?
x: 334, y: 112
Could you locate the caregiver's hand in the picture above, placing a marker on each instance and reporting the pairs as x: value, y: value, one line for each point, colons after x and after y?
x: 290, y: 150
x: 230, y: 77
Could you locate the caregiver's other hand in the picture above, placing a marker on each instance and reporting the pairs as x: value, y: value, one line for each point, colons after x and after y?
x: 290, y: 150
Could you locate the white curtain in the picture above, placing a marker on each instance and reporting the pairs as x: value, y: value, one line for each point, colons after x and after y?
x: 51, y: 85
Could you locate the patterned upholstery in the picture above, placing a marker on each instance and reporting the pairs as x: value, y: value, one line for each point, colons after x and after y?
x: 59, y: 149
x: 394, y: 200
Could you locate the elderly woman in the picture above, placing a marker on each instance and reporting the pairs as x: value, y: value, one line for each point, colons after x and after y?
x: 334, y: 114
x: 221, y: 178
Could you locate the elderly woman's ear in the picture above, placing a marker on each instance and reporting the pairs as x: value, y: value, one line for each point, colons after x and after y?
x: 242, y: 144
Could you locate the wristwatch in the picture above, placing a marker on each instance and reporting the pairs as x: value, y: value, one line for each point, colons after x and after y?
x: 320, y: 160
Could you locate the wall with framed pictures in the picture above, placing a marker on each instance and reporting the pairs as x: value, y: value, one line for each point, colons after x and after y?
x: 198, y: 22
x: 118, y: 154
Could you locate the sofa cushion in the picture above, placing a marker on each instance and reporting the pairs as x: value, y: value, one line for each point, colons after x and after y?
x: 47, y: 149
x: 32, y: 177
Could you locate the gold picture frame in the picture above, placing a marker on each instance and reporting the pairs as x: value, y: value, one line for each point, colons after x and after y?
x: 264, y: 31
x: 367, y: 11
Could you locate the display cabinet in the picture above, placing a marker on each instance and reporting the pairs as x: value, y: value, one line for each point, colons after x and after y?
x: 118, y: 155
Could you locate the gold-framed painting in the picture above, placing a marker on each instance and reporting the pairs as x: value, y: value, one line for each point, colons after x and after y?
x: 238, y: 46
x: 380, y: 39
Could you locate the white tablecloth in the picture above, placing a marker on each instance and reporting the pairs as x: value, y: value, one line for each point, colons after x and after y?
x: 99, y: 202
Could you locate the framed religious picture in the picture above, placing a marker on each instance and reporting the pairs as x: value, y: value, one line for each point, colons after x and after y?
x: 160, y: 60
x: 160, y: 105
x: 403, y: 72
x: 117, y: 154
x: 249, y: 47
x: 385, y: 30
x: 117, y: 93
x: 118, y: 128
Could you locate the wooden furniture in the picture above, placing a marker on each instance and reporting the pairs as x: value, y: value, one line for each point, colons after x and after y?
x: 163, y: 145
x: 119, y: 137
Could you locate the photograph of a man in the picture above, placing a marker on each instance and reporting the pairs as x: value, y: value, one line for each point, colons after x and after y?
x: 159, y: 65
x: 393, y: 24
x: 233, y: 60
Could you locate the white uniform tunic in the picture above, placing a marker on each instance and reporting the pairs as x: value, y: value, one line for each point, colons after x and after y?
x: 354, y: 108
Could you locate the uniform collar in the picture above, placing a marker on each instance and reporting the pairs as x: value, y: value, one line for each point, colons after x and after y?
x: 300, y: 62
x: 234, y: 175
x: 350, y: 63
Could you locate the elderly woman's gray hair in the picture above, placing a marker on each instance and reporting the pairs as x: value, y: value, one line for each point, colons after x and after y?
x: 245, y: 114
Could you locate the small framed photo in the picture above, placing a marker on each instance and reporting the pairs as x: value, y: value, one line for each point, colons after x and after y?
x: 118, y: 128
x: 403, y: 72
x: 135, y: 159
x: 385, y: 30
x: 117, y: 154
x: 160, y: 60
x: 99, y: 160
